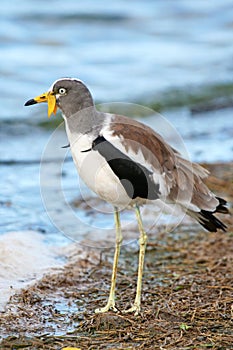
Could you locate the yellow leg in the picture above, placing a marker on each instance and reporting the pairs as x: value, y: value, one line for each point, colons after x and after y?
x: 111, y: 299
x: 142, y: 241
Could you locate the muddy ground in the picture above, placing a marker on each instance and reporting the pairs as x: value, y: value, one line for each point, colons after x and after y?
x: 187, y: 298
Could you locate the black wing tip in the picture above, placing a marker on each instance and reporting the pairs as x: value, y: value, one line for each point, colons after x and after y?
x: 30, y: 102
x: 210, y: 222
x: 221, y: 208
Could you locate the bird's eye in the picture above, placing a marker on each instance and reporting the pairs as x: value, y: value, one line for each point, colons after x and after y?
x: 62, y: 91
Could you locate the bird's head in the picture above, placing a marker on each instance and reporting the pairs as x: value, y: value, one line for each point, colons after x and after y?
x: 69, y: 94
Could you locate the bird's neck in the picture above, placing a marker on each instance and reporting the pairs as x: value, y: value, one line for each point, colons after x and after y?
x: 86, y: 121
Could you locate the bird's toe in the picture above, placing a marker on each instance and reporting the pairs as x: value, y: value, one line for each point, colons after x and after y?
x: 134, y: 309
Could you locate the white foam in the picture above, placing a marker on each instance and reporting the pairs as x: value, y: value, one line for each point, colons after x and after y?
x: 24, y: 256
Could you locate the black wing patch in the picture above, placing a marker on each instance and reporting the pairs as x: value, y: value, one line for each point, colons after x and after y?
x: 135, y: 178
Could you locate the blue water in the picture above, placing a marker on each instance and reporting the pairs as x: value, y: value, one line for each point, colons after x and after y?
x: 125, y: 51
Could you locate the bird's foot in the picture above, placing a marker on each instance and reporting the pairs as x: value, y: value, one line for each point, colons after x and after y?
x: 110, y: 306
x: 134, y: 309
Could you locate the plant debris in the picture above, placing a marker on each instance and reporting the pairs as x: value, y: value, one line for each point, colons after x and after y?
x: 187, y: 299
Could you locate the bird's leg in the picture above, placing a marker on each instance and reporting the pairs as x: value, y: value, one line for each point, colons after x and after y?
x: 111, y: 299
x: 142, y: 241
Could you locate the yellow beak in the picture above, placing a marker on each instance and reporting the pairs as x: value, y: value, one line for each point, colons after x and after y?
x: 46, y: 97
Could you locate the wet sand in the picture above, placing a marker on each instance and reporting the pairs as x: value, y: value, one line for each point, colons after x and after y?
x: 187, y: 298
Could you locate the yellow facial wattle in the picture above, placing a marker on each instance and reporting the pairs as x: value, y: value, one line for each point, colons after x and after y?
x: 52, y: 106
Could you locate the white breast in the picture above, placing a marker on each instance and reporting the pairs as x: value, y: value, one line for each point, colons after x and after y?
x: 95, y: 171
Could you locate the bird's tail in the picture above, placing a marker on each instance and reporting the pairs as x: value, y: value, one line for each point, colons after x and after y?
x: 207, y: 218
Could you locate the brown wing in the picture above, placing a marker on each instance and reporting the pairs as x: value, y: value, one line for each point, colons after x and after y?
x: 182, y: 178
